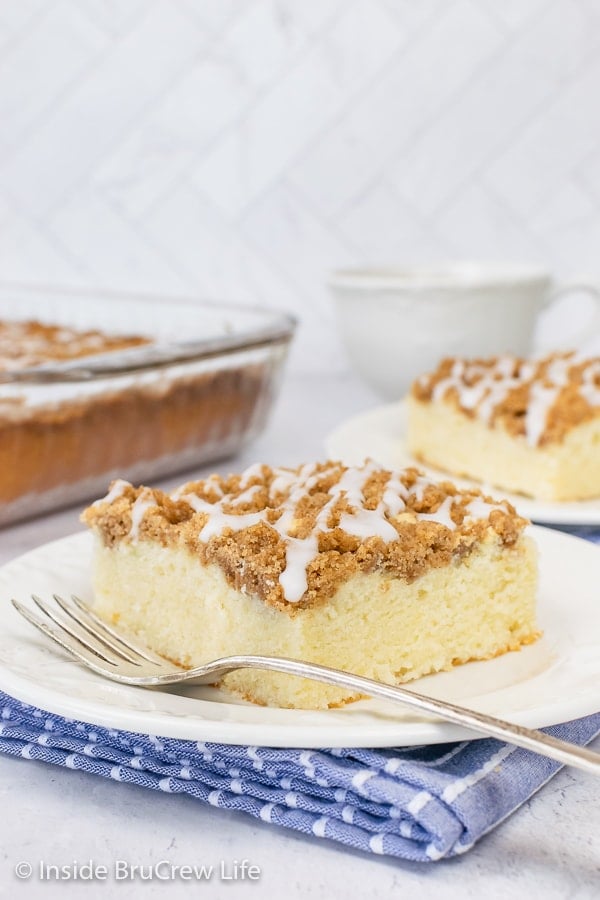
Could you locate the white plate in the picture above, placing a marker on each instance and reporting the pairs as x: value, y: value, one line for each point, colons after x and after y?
x: 381, y: 435
x: 553, y: 680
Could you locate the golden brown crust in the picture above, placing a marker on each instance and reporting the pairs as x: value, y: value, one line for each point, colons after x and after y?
x: 502, y: 390
x: 203, y: 517
x: 31, y: 343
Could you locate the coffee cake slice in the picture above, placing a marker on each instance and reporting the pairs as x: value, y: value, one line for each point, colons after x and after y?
x: 528, y: 426
x: 385, y: 574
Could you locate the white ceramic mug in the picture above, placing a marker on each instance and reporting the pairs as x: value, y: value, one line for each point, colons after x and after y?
x: 398, y: 323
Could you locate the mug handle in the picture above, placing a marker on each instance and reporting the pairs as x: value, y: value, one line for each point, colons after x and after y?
x: 592, y: 327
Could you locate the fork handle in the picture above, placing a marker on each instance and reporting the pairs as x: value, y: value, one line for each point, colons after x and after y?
x: 530, y: 739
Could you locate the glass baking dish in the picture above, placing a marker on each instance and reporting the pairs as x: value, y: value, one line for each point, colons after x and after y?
x: 198, y: 392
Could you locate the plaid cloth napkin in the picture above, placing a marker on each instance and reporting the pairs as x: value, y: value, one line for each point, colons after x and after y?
x: 416, y: 803
x: 419, y: 803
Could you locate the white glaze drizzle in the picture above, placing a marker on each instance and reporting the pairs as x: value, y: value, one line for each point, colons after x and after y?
x: 491, y: 388
x: 419, y: 487
x: 543, y: 396
x: 246, y: 496
x: 217, y: 520
x: 442, y: 514
x: 362, y: 523
x: 299, y: 553
x: 496, y: 382
x: 253, y: 471
x: 142, y: 503
x: 215, y: 484
x: 541, y: 401
x: 117, y: 489
x: 359, y: 522
x: 394, y: 495
x: 481, y: 509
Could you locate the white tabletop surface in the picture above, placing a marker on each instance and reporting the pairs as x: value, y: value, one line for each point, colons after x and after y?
x: 550, y: 848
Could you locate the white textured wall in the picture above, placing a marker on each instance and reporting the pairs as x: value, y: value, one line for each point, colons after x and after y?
x: 239, y: 149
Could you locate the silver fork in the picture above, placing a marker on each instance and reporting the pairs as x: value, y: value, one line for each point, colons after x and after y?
x: 112, y: 654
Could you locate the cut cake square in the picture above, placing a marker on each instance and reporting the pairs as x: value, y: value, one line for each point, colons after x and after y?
x: 384, y: 574
x: 528, y: 426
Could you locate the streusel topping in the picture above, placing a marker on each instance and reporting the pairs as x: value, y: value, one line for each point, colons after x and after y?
x: 540, y: 399
x: 24, y: 344
x: 292, y: 536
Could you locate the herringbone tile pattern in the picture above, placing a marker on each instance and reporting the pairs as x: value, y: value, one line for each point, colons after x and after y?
x: 239, y: 149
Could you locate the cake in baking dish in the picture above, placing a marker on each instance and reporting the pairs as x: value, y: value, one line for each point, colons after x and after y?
x: 384, y: 574
x: 30, y: 343
x: 63, y: 438
x: 529, y: 426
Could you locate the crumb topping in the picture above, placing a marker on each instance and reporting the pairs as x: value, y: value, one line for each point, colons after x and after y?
x: 539, y: 399
x: 25, y: 344
x: 292, y: 536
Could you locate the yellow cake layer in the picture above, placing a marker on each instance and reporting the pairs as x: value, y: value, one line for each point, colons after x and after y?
x: 444, y: 437
x: 377, y: 625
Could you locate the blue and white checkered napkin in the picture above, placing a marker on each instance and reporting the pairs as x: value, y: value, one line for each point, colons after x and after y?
x: 417, y: 803
x: 420, y: 803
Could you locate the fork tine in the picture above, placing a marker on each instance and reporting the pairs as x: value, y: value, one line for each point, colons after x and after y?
x: 102, y: 627
x: 75, y: 648
x: 98, y: 647
x: 81, y: 618
x: 120, y: 671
